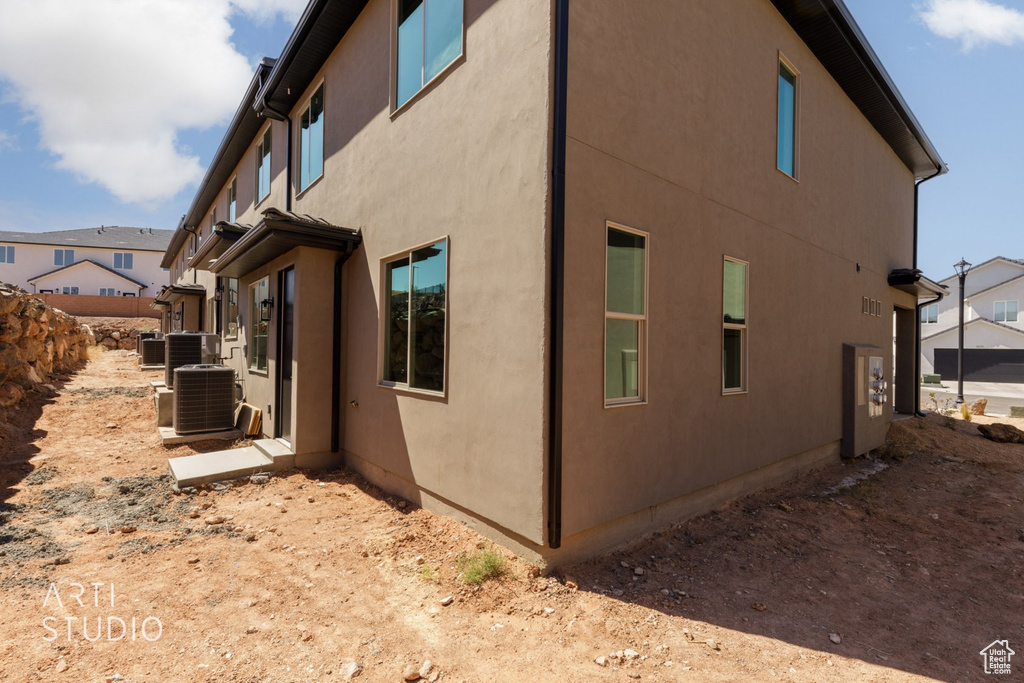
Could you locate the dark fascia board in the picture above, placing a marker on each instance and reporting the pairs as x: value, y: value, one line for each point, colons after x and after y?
x: 829, y: 30
x: 224, y: 235
x: 320, y: 29
x: 912, y: 281
x: 174, y: 292
x: 241, y: 132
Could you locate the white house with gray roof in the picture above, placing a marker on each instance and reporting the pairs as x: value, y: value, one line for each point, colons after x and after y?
x: 993, y: 324
x: 106, y: 261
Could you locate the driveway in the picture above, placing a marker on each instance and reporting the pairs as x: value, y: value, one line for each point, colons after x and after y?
x: 1000, y: 396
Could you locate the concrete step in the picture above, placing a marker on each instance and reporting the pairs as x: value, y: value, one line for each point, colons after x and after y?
x: 280, y: 454
x: 192, y: 470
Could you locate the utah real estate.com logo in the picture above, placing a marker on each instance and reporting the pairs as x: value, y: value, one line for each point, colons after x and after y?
x: 997, y: 657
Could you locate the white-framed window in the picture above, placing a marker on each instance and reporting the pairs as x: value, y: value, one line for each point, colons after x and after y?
x: 625, y: 316
x: 230, y: 308
x: 1005, y: 311
x: 311, y: 140
x: 123, y: 260
x: 263, y: 166
x: 69, y: 290
x: 788, y: 118
x: 414, y: 328
x: 232, y: 200
x: 107, y: 291
x: 259, y: 330
x: 429, y: 40
x: 930, y: 314
x: 63, y: 257
x: 6, y: 254
x: 735, y: 287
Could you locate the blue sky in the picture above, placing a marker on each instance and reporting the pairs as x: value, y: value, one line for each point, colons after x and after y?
x: 958, y: 63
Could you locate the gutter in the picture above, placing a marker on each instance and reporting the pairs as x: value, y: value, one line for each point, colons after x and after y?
x: 941, y: 170
x: 561, y: 81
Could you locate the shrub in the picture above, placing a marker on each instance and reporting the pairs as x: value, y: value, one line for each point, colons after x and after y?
x: 481, y: 566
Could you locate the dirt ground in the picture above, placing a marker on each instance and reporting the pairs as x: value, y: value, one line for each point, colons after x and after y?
x: 905, y: 575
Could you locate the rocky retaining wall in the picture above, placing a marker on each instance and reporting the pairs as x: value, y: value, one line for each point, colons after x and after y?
x: 115, y: 337
x: 36, y: 342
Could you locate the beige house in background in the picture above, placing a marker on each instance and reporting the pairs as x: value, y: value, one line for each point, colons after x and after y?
x: 566, y: 271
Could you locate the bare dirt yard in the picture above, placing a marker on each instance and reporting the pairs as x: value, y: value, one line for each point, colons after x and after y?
x: 106, y: 574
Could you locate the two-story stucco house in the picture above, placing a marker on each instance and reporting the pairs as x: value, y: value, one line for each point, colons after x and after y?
x: 993, y: 325
x: 565, y: 270
x: 103, y: 261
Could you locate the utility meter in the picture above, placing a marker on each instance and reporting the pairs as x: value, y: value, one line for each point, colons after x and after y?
x: 877, y: 387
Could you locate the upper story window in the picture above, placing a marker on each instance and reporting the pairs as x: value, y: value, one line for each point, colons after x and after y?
x: 311, y: 140
x: 625, y: 317
x: 429, y: 40
x: 930, y: 314
x: 786, y: 157
x: 63, y: 257
x: 1005, y: 311
x: 122, y: 260
x: 263, y: 167
x: 734, y: 326
x: 232, y: 200
x: 6, y: 254
x: 107, y: 291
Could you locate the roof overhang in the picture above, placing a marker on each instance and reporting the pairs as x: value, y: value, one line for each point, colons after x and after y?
x: 93, y: 264
x: 829, y: 30
x: 278, y: 233
x: 171, y: 293
x: 224, y: 235
x: 912, y: 281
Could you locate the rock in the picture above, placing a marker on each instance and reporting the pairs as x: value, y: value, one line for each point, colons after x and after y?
x: 835, y: 638
x: 350, y: 670
x: 447, y: 601
x: 426, y: 668
x: 978, y: 407
x: 217, y: 519
x: 10, y: 394
x: 238, y: 530
x: 633, y: 674
x: 630, y: 654
x: 111, y: 425
x: 61, y: 667
x: 193, y: 560
x: 1001, y: 433
x: 759, y: 606
x: 251, y: 538
x: 92, y: 529
x: 710, y: 642
x: 110, y: 556
x: 251, y: 630
x: 259, y: 479
x: 785, y: 508
x: 639, y: 571
x: 411, y: 673
x: 127, y: 529
x: 309, y: 499
x: 420, y: 559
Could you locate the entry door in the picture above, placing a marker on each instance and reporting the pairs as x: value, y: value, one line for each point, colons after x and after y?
x: 284, y: 363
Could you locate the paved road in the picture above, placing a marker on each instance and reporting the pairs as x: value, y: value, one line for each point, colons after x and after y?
x: 1000, y: 396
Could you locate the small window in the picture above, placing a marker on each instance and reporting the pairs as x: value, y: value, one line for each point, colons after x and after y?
x: 259, y: 329
x: 231, y: 308
x: 213, y: 222
x: 734, y: 326
x: 311, y: 140
x: 787, y: 119
x: 69, y: 290
x: 429, y: 40
x: 6, y: 254
x: 625, y: 318
x: 415, y: 326
x: 1005, y: 311
x: 122, y: 261
x: 63, y: 257
x: 930, y: 314
x: 107, y: 291
x: 128, y: 294
x: 263, y: 167
x: 232, y: 200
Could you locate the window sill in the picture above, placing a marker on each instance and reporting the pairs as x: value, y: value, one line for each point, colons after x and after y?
x: 309, y: 187
x: 793, y: 178
x: 254, y: 206
x: 429, y: 85
x: 260, y: 373
x: 734, y: 392
x: 626, y: 404
x: 401, y: 388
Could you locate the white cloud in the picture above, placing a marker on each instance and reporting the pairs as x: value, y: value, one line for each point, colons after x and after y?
x: 973, y: 22
x: 110, y: 83
x: 8, y: 141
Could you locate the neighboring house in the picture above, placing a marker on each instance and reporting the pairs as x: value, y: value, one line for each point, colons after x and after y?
x: 104, y: 261
x: 564, y: 271
x: 993, y: 325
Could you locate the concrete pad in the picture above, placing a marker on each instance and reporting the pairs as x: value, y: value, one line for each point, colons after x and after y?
x: 276, y: 451
x: 157, y: 384
x: 192, y: 470
x: 151, y: 367
x: 164, y: 399
x: 169, y: 437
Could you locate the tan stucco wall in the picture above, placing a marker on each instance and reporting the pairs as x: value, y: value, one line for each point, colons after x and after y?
x: 673, y: 132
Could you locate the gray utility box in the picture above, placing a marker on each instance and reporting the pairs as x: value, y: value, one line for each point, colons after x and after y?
x: 204, y: 399
x: 867, y: 410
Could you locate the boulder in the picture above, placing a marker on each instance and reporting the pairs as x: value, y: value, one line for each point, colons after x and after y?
x: 1001, y: 433
x: 978, y: 407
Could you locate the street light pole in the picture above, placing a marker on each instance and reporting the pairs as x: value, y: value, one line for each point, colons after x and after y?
x: 962, y: 269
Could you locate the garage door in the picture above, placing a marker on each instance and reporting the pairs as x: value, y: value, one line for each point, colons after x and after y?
x: 982, y: 365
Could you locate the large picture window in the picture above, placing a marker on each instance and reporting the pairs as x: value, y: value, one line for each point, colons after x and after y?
x: 258, y: 329
x: 787, y: 119
x: 625, y: 318
x: 311, y: 140
x: 415, y: 311
x: 429, y: 39
x: 263, y: 167
x: 734, y: 326
x: 1005, y: 311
